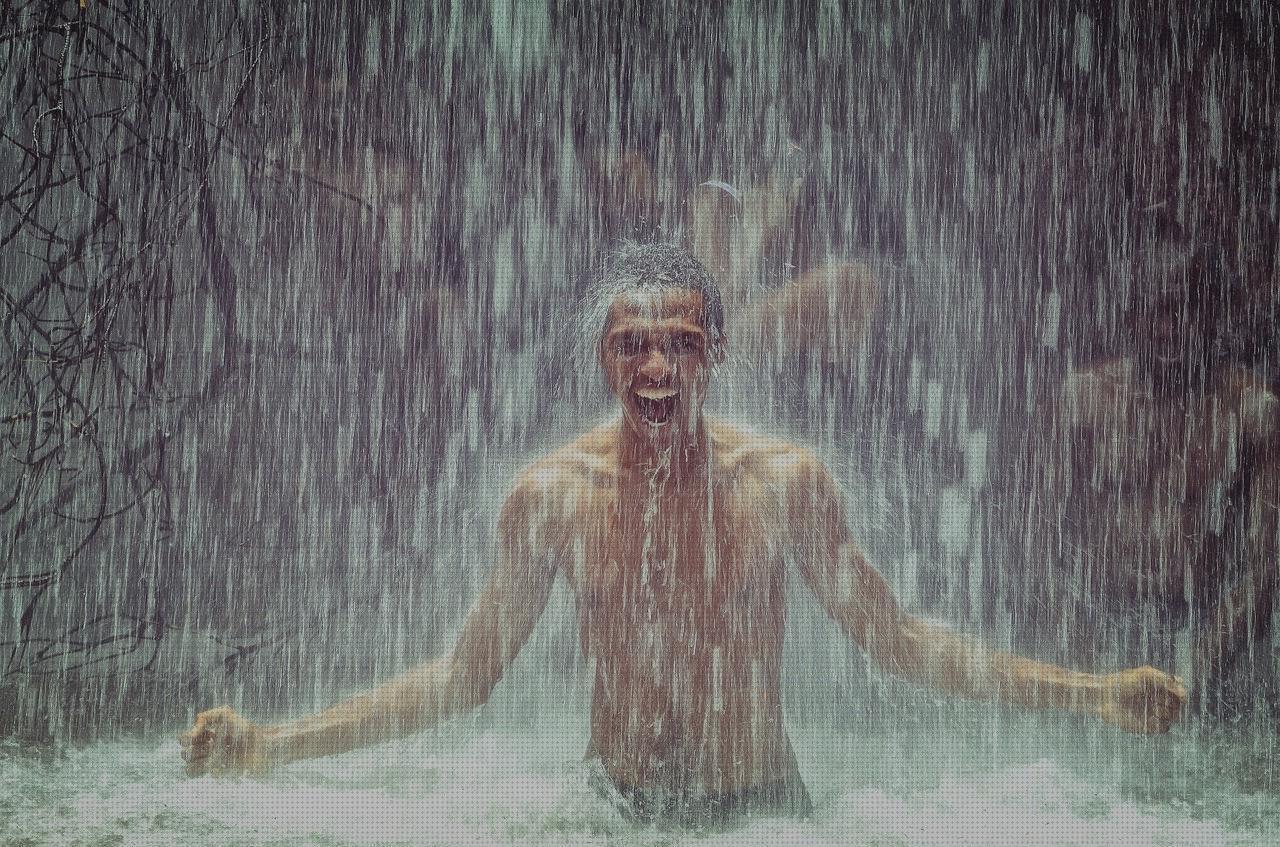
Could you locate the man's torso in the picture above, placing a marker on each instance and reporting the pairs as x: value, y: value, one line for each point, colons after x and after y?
x: 679, y: 590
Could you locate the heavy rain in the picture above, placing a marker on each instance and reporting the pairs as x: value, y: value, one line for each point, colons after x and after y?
x: 639, y: 423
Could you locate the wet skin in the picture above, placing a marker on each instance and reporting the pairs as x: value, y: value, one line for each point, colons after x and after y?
x: 673, y: 537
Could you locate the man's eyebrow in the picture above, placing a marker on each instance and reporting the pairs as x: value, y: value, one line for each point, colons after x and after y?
x: 682, y: 325
x: 670, y: 325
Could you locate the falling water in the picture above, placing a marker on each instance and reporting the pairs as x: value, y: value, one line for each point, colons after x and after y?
x: 293, y: 291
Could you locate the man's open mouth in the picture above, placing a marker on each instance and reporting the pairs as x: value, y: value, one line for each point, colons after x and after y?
x: 656, y: 405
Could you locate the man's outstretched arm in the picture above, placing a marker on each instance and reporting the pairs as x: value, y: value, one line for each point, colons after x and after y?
x: 494, y: 631
x: 859, y: 599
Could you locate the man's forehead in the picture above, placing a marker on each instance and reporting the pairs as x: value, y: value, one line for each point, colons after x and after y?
x: 679, y: 305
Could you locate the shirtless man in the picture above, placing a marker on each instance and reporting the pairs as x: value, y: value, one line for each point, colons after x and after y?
x: 1161, y: 505
x: 672, y: 530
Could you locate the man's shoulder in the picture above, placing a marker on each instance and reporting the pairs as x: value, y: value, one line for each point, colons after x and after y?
x: 738, y: 448
x: 571, y: 464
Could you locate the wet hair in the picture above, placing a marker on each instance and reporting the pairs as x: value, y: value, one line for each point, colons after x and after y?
x: 654, y: 267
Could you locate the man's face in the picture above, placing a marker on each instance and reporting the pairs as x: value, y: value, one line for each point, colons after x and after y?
x: 656, y: 357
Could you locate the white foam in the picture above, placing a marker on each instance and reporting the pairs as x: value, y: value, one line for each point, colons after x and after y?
x: 527, y: 788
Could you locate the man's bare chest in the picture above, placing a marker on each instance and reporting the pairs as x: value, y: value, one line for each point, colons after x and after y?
x: 695, y: 571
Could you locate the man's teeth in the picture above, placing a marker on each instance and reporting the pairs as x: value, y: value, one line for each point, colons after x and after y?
x: 656, y: 393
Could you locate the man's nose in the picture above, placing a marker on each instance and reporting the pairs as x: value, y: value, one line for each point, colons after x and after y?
x: 656, y: 365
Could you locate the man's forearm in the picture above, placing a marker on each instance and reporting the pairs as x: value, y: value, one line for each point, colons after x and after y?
x: 411, y: 702
x: 941, y: 659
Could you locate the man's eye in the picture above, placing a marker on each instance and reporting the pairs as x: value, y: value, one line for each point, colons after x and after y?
x: 686, y: 344
x: 627, y: 346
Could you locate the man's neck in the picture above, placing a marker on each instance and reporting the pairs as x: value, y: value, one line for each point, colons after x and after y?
x: 679, y: 461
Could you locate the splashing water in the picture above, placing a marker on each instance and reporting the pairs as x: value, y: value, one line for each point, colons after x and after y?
x: 504, y: 787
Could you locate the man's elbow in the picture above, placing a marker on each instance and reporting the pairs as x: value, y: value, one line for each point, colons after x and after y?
x: 469, y: 696
x: 468, y: 686
x: 894, y: 645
